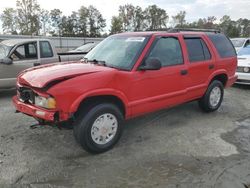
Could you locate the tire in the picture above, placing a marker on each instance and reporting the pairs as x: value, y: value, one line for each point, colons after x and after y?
x: 99, y: 129
x: 213, y: 97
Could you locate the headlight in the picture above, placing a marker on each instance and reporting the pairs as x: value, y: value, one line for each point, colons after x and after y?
x: 246, y: 69
x: 49, y: 103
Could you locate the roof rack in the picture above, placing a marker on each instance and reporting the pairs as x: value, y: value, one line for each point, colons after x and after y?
x: 194, y: 30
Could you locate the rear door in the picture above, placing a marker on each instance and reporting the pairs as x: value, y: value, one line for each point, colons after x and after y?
x: 201, y: 63
x: 24, y: 56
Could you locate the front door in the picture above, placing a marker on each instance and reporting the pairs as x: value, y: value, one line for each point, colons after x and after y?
x: 155, y: 89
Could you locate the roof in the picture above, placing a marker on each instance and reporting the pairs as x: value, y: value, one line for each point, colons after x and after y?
x: 13, y: 42
x: 148, y: 33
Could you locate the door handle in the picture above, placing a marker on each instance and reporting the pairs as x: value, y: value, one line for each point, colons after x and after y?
x: 37, y: 64
x: 211, y: 66
x: 184, y: 72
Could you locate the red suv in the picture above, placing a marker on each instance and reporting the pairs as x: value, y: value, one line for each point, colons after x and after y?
x: 125, y: 76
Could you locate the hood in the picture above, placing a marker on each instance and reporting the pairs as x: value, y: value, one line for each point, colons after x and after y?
x: 41, y: 76
x: 244, y: 60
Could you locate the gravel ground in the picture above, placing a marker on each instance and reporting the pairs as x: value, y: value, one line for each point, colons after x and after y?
x: 178, y: 147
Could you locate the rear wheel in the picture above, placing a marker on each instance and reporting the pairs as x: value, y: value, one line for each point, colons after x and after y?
x: 213, y: 97
x: 99, y: 129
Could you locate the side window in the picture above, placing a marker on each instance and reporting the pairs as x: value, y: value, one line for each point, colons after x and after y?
x: 25, y: 51
x: 205, y: 50
x: 32, y: 50
x: 197, y: 50
x: 247, y: 43
x: 168, y: 51
x: 223, y: 45
x: 45, y: 49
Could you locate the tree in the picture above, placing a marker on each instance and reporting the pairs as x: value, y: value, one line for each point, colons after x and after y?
x: 225, y: 22
x: 83, y: 13
x: 155, y: 18
x: 95, y: 21
x: 229, y: 27
x: 45, y: 21
x: 203, y: 23
x: 209, y: 22
x: 28, y: 16
x: 8, y: 19
x: 244, y: 27
x: 56, y: 20
x: 132, y: 17
x: 138, y: 19
x: 68, y: 26
x: 179, y: 19
x: 126, y: 15
x: 116, y: 25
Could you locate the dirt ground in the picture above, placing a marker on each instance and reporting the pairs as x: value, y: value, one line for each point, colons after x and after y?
x: 180, y: 147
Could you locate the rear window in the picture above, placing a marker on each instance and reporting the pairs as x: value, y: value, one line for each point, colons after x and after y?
x: 223, y: 45
x: 197, y: 50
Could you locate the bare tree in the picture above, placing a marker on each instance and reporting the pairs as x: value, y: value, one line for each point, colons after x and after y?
x: 45, y: 21
x: 179, y: 19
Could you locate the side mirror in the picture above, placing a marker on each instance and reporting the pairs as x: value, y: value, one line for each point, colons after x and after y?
x: 6, y: 61
x: 151, y: 64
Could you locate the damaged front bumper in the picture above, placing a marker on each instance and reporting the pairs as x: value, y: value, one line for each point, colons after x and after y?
x: 36, y: 112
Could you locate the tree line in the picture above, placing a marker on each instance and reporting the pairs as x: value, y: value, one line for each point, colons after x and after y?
x: 28, y: 18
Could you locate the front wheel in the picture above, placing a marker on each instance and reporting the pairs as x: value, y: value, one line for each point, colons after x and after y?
x: 213, y: 97
x: 99, y: 129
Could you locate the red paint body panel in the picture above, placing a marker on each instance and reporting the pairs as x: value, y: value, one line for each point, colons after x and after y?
x: 40, y: 76
x: 140, y: 91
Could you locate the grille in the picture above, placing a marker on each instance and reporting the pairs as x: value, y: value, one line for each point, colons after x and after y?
x: 243, y: 81
x: 241, y: 69
x: 26, y: 95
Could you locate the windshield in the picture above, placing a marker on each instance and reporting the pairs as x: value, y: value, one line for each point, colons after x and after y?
x: 244, y: 51
x: 118, y: 51
x: 4, y: 51
x: 85, y: 48
x: 238, y: 42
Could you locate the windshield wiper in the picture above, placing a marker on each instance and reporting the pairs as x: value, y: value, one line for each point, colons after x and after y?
x: 95, y: 61
x: 99, y: 62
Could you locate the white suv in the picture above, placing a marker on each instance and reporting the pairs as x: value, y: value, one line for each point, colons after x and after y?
x: 243, y: 69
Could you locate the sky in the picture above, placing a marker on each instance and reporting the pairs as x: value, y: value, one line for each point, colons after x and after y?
x: 195, y: 8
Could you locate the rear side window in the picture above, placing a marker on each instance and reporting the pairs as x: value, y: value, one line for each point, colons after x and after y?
x: 222, y: 44
x: 46, y: 50
x: 197, y: 50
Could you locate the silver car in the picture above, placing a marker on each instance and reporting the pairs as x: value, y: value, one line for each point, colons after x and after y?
x: 19, y: 54
x: 240, y: 43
